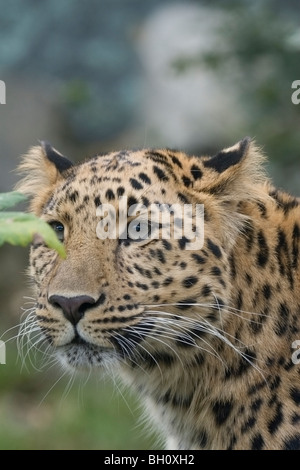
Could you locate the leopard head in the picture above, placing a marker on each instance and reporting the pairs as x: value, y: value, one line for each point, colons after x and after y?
x: 126, y: 294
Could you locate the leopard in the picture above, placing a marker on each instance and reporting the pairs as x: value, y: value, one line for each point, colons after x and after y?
x: 203, y: 325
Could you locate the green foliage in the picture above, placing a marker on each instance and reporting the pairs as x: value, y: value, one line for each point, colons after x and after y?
x: 19, y: 228
x: 10, y: 199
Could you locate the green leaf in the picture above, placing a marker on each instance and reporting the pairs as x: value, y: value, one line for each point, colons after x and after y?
x: 19, y: 228
x: 11, y: 199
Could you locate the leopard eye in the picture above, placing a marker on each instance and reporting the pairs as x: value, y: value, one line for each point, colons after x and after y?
x: 139, y: 230
x: 58, y: 229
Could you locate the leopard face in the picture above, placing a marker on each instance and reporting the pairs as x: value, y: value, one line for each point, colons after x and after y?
x: 177, y: 319
x: 109, y: 296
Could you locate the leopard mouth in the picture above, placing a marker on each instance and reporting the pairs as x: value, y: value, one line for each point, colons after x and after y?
x: 80, y: 353
x: 78, y: 340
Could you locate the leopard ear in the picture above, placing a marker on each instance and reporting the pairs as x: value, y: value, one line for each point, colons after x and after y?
x: 234, y: 173
x: 233, y: 176
x: 42, y: 167
x: 61, y: 163
x: 229, y: 157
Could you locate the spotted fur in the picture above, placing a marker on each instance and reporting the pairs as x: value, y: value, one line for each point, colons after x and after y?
x: 203, y: 336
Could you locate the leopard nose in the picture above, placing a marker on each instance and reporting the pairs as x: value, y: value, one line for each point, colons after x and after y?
x: 73, y: 307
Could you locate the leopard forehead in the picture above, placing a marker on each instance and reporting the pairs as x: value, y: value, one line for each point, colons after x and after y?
x: 118, y: 181
x: 108, y: 178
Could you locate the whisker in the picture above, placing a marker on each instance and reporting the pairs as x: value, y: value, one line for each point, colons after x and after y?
x: 122, y: 394
x: 68, y: 387
x: 188, y: 334
x: 129, y: 354
x: 164, y: 343
x: 209, y: 328
x: 66, y: 372
x: 217, y: 306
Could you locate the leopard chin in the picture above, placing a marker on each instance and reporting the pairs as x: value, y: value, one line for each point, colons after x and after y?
x: 84, y: 356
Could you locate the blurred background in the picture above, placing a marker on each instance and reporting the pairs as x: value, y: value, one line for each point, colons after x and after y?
x: 108, y: 74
